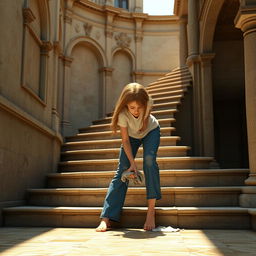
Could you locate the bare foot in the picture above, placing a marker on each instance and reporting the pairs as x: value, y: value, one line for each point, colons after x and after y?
x: 150, y: 220
x: 104, y: 225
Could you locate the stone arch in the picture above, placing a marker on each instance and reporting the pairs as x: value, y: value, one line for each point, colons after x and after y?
x: 85, y: 90
x: 128, y: 52
x: 228, y: 88
x: 122, y: 74
x: 209, y: 20
x: 44, y: 12
x: 91, y: 43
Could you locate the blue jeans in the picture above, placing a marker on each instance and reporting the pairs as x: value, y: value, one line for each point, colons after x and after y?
x: 115, y: 197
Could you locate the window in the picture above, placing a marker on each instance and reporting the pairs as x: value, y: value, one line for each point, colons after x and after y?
x: 121, y: 4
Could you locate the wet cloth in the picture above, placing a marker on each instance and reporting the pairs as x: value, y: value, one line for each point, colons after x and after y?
x: 166, y: 229
x: 128, y: 176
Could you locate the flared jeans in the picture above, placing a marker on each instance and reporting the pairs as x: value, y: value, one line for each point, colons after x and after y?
x: 115, y: 197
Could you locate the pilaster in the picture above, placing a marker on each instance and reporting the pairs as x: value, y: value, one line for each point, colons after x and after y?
x: 66, y: 125
x: 193, y: 61
x: 246, y: 21
x: 207, y: 105
x: 183, y: 41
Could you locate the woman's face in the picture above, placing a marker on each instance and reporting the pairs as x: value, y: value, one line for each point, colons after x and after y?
x: 135, y: 108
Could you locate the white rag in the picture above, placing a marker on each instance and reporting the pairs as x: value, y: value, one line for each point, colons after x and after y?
x: 166, y: 229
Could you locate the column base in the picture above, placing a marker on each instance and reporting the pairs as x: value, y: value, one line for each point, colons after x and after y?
x: 251, y: 181
x: 248, y: 197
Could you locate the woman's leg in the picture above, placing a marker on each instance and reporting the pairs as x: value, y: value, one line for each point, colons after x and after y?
x: 117, y: 189
x: 151, y: 170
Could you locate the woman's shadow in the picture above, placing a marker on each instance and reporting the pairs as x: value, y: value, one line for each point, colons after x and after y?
x: 139, y: 234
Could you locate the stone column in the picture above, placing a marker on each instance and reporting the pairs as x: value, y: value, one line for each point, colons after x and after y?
x: 183, y: 41
x: 193, y: 61
x: 246, y: 21
x: 193, y: 28
x: 207, y: 104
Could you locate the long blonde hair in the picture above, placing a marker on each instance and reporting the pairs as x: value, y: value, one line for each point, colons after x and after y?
x: 131, y: 92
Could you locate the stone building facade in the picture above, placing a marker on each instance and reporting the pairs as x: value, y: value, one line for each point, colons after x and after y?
x: 220, y: 52
x: 63, y: 64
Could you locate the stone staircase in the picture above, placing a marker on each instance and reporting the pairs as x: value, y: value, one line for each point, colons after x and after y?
x: 193, y: 195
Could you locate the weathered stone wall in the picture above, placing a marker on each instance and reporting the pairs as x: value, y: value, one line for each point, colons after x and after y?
x: 29, y: 141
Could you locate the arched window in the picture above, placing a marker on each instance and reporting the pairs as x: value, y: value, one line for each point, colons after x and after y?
x: 121, y: 4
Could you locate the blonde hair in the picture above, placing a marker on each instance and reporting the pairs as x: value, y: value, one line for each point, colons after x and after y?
x: 131, y: 92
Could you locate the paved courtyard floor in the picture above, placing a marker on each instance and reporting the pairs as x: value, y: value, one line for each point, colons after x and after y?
x: 132, y: 242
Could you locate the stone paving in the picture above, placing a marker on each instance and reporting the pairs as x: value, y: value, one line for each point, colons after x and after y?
x: 132, y: 242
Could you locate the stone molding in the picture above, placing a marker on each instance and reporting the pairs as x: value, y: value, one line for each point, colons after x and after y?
x: 87, y: 29
x: 246, y: 19
x: 27, y: 118
x: 206, y: 58
x: 67, y: 61
x: 192, y: 59
x: 107, y: 70
x: 46, y: 47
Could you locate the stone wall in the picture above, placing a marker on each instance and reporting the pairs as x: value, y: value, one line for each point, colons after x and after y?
x: 29, y: 141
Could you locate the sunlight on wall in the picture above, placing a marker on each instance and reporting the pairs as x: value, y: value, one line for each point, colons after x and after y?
x: 159, y: 7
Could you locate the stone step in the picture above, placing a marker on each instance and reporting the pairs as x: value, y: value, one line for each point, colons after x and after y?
x: 112, y: 143
x: 165, y: 131
x: 133, y: 217
x: 157, y: 95
x: 167, y: 87
x: 164, y: 122
x: 160, y: 106
x: 178, y: 84
x: 168, y: 98
x: 111, y: 164
x: 169, y: 178
x: 159, y: 114
x: 114, y: 153
x: 172, y: 77
x: 136, y: 196
x: 174, y: 73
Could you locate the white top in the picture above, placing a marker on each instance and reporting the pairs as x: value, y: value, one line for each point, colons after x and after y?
x: 133, y: 124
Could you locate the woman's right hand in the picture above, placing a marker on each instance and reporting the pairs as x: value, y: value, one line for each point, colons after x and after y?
x: 134, y: 168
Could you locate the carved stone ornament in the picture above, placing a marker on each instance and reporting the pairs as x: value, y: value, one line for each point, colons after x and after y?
x: 77, y: 28
x: 122, y: 40
x: 46, y: 46
x: 87, y: 29
x: 28, y: 15
x: 98, y: 35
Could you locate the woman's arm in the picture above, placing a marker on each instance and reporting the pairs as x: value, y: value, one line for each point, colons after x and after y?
x: 127, y: 148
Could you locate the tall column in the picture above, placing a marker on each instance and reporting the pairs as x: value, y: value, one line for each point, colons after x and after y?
x: 207, y: 104
x: 193, y: 29
x: 246, y: 21
x: 193, y: 61
x: 183, y: 41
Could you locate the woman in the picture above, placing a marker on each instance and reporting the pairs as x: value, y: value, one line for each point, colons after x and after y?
x: 137, y: 126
